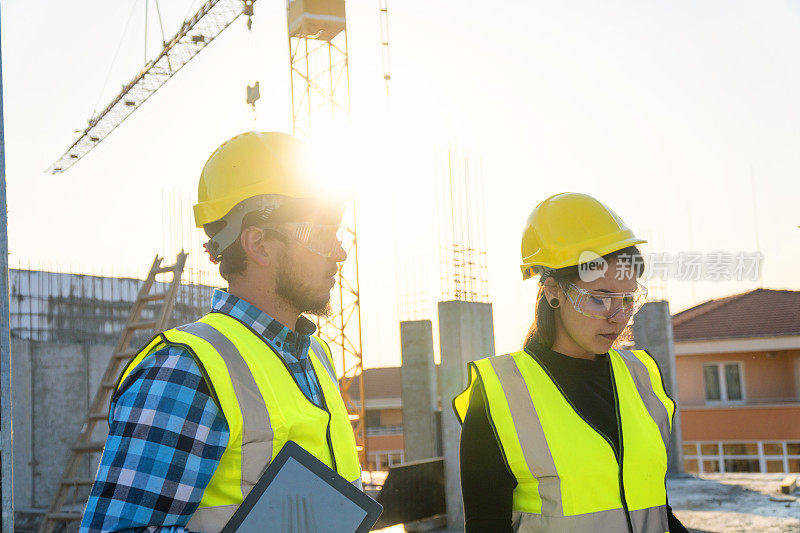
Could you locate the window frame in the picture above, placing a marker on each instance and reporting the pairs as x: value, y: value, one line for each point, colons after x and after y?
x: 723, y: 383
x: 695, y: 453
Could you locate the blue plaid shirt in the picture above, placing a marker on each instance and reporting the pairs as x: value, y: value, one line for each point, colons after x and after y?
x: 166, y: 434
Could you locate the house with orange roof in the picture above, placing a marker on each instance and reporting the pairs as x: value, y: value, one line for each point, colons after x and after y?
x: 738, y: 374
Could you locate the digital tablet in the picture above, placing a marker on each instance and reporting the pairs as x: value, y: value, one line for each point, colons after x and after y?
x: 298, y: 493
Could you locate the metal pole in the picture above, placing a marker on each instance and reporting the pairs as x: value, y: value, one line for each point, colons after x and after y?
x: 6, y: 453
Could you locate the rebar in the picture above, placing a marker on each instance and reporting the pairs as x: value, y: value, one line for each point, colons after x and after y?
x: 464, y: 271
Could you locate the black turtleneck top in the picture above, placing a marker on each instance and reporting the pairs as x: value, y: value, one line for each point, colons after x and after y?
x: 486, y: 483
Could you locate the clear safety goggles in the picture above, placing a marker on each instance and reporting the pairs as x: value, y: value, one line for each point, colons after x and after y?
x: 322, y: 239
x: 605, y: 304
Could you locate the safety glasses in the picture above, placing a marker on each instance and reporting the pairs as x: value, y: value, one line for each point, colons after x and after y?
x: 604, y: 304
x: 322, y: 239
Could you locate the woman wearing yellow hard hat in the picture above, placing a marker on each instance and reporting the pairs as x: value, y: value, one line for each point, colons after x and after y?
x: 569, y: 434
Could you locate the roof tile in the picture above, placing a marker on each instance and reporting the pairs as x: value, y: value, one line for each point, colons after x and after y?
x: 757, y: 313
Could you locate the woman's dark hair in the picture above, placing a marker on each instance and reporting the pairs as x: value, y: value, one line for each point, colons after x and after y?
x: 543, y: 329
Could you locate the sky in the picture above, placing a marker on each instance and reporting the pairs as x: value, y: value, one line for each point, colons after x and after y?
x: 681, y: 116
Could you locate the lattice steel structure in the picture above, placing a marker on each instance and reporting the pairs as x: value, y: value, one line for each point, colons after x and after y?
x: 318, y: 59
x: 321, y: 90
x: 194, y: 35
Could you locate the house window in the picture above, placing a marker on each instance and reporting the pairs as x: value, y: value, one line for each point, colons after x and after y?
x: 383, y: 460
x: 749, y: 456
x: 741, y: 465
x: 723, y: 382
x: 373, y: 418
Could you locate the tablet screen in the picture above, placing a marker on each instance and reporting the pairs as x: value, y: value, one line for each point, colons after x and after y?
x: 299, y: 494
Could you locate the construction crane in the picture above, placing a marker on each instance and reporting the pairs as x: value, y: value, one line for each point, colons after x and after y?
x: 319, y: 80
x: 194, y: 35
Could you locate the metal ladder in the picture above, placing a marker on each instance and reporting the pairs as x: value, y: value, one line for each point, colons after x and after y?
x: 98, y: 410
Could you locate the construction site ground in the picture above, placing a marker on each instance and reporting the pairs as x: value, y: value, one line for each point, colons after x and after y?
x: 731, y: 503
x: 728, y: 503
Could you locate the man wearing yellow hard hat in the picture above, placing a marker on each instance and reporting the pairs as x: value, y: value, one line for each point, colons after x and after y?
x: 569, y: 433
x: 199, y: 413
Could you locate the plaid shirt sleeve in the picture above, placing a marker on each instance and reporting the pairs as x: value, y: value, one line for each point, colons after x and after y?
x: 165, y: 441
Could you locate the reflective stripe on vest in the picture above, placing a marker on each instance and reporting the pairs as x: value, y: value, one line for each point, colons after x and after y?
x: 263, y: 407
x: 568, y: 477
x: 612, y: 521
x: 316, y: 347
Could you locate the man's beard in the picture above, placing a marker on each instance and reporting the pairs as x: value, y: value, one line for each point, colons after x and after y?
x: 292, y: 287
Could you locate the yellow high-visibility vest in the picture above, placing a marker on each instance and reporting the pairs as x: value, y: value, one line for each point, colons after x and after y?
x: 263, y: 406
x: 568, y: 477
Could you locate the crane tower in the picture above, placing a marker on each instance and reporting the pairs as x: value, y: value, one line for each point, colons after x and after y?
x: 321, y: 89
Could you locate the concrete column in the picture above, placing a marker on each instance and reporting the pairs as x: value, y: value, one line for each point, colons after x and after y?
x: 652, y: 331
x: 419, y: 390
x: 22, y: 422
x: 466, y: 333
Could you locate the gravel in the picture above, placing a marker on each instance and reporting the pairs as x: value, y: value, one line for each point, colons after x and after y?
x: 730, y: 503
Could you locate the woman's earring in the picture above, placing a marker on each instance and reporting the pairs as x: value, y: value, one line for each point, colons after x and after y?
x: 554, y: 303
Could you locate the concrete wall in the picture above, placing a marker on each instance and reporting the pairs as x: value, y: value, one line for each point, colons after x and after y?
x: 466, y: 333
x: 21, y: 401
x: 419, y: 390
x: 52, y: 386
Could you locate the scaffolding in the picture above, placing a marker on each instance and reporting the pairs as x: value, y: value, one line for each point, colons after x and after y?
x: 194, y: 35
x: 68, y: 307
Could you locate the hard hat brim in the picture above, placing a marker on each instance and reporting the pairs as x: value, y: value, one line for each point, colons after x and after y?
x: 529, y: 264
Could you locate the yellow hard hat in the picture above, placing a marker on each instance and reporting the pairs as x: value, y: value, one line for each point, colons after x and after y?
x: 568, y: 229
x: 252, y: 164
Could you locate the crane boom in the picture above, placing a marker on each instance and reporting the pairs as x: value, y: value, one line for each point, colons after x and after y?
x: 195, y: 33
